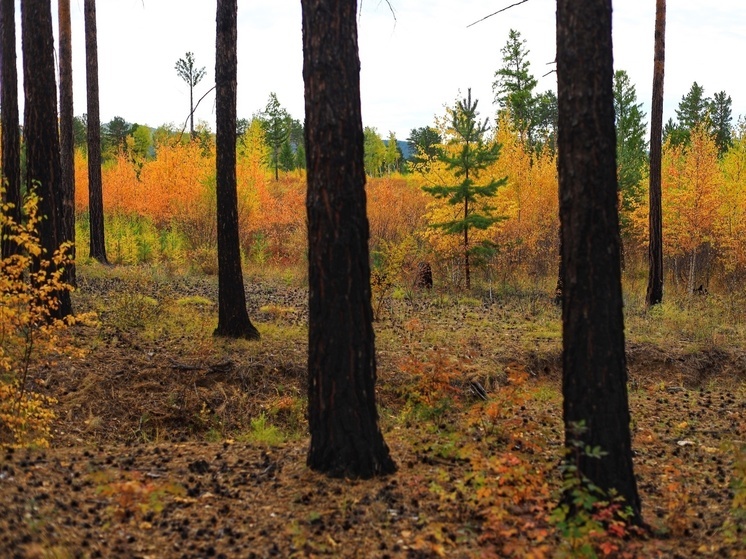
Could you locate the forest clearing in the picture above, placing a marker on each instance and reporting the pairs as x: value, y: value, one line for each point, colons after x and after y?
x: 170, y: 442
x: 290, y: 339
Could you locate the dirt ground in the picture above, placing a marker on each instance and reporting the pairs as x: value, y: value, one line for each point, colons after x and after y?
x: 150, y: 457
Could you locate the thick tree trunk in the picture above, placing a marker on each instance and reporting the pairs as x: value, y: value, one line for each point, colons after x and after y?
x: 655, y: 247
x: 10, y: 163
x: 345, y: 437
x: 40, y: 130
x: 233, y: 318
x: 67, y: 142
x: 594, y: 366
x: 95, y: 186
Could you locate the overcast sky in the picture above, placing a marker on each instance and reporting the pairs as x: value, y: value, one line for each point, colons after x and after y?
x: 413, y: 63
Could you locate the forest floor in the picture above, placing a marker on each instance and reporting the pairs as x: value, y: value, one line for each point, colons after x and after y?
x: 169, y: 443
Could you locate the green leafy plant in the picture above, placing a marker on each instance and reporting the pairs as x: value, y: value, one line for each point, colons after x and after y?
x: 590, y: 521
x: 263, y: 432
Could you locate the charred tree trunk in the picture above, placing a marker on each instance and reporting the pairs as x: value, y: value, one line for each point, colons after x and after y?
x: 67, y: 143
x: 654, y: 294
x: 233, y: 318
x: 11, y: 138
x: 594, y: 381
x: 40, y: 130
x: 345, y: 437
x: 95, y: 186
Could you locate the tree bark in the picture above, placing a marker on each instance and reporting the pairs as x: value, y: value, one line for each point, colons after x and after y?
x: 67, y: 141
x: 654, y: 293
x: 233, y: 318
x: 40, y: 131
x: 594, y: 364
x: 346, y: 440
x: 11, y: 139
x: 95, y: 186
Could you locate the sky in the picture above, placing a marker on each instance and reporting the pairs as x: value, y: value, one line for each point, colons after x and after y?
x: 414, y: 62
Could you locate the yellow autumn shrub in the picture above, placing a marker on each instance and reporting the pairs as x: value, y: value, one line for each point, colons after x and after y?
x: 28, y: 297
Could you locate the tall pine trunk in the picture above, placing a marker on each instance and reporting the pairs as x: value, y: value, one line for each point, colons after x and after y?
x: 233, y: 318
x: 346, y: 440
x: 654, y: 293
x: 43, y: 173
x: 10, y: 163
x: 594, y: 379
x: 95, y: 185
x: 67, y: 143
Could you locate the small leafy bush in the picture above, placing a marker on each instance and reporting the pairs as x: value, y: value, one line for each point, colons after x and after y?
x: 30, y: 282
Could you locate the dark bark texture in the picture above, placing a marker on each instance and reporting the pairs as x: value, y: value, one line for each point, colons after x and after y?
x: 233, y: 318
x: 346, y: 440
x: 11, y: 138
x: 594, y: 365
x: 95, y: 185
x: 654, y: 293
x: 67, y: 143
x: 40, y: 129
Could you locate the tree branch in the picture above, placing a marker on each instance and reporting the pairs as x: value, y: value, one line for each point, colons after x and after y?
x: 498, y: 11
x: 194, y: 109
x: 393, y: 13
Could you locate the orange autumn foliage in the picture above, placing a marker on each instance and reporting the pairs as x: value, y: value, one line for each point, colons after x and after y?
x: 396, y: 207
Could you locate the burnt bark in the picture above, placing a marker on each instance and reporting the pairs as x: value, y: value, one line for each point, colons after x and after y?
x: 95, y: 185
x: 346, y: 440
x: 594, y: 381
x: 43, y: 173
x: 10, y: 162
x: 67, y: 142
x: 233, y: 318
x: 654, y: 293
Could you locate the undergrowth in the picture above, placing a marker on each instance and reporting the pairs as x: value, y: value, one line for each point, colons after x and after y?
x: 29, y: 283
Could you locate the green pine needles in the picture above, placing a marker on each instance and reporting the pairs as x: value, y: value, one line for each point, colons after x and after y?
x: 472, y: 156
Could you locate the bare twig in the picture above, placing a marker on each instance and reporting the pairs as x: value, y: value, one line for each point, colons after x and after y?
x: 393, y: 13
x: 498, y: 11
x: 194, y: 109
x: 550, y: 71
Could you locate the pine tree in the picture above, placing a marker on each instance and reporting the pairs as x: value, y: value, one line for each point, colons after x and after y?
x: 654, y: 293
x: 514, y: 85
x: 693, y: 108
x: 423, y: 143
x: 186, y: 70
x: 233, y: 318
x: 93, y: 121
x: 472, y: 156
x: 594, y: 370
x: 631, y: 147
x: 276, y: 122
x: 286, y: 158
x: 10, y: 139
x: 721, y: 116
x: 346, y: 440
